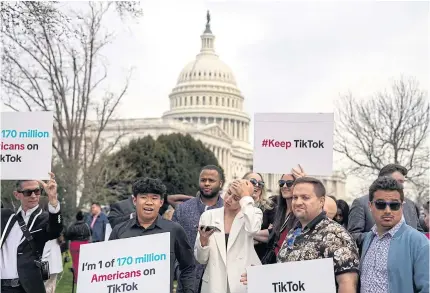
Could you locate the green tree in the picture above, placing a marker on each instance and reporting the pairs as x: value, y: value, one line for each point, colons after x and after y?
x: 175, y: 158
x: 7, y: 197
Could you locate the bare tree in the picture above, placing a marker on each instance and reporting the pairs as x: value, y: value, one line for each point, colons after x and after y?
x: 52, y: 62
x: 391, y: 127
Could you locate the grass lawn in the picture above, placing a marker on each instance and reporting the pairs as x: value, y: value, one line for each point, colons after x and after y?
x: 65, y: 280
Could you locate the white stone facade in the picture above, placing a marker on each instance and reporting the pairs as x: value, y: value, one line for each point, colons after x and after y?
x: 207, y: 104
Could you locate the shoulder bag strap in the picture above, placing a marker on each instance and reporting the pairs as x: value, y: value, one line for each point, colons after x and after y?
x: 91, y: 233
x: 28, y: 235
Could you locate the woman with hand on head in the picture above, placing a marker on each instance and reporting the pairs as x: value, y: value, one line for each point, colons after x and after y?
x: 226, y: 239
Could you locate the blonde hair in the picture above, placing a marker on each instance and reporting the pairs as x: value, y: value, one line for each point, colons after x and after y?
x: 263, y: 202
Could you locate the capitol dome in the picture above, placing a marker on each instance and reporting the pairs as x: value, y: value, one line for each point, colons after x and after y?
x: 207, y: 67
x: 206, y: 92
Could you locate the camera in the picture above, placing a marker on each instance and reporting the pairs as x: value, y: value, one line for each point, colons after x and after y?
x: 44, y: 269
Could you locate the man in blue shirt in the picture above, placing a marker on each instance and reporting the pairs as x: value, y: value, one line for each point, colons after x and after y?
x: 97, y: 221
x: 392, y: 244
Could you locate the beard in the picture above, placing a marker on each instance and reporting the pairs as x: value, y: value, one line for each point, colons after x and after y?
x: 214, y: 193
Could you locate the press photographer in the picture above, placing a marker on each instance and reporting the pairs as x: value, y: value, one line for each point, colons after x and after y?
x: 24, y: 234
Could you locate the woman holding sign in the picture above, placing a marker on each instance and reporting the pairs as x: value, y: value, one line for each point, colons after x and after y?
x: 226, y: 239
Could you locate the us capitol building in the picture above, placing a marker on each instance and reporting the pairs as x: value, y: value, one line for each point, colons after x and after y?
x: 207, y: 104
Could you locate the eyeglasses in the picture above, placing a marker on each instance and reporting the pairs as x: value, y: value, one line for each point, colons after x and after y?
x: 29, y: 192
x: 288, y: 182
x: 256, y: 183
x: 292, y: 239
x: 382, y: 205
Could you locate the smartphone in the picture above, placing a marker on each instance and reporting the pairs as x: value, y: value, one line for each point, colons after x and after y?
x: 209, y: 228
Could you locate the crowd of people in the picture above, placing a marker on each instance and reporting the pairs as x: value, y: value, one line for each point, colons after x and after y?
x: 378, y: 244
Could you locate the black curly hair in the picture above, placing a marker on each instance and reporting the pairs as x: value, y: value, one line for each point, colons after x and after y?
x: 385, y: 183
x: 149, y: 185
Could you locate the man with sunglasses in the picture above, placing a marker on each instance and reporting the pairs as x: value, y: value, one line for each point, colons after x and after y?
x: 395, y: 256
x: 360, y: 219
x: 21, y: 266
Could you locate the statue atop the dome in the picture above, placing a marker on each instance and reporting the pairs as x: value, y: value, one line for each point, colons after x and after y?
x: 208, y: 18
x: 208, y: 23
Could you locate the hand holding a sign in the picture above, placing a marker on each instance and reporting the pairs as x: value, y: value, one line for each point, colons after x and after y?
x: 244, y: 278
x: 51, y: 190
x: 298, y: 172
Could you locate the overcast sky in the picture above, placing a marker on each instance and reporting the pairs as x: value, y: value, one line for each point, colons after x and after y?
x: 286, y: 56
x: 294, y: 56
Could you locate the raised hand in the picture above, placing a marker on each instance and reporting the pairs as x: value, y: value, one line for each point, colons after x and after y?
x: 50, y: 189
x: 298, y: 172
x: 242, y: 187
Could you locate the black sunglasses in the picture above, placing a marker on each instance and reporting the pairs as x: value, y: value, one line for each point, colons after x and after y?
x: 29, y: 192
x: 288, y: 182
x: 256, y: 183
x: 381, y: 205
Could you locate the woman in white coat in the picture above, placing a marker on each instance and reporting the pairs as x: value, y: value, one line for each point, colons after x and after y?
x: 229, y: 248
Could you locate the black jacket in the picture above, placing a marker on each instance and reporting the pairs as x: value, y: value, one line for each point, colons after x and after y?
x: 120, y: 211
x: 44, y: 227
x: 78, y: 231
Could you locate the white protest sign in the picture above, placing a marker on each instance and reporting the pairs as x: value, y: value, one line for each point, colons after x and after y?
x: 310, y: 276
x: 138, y: 264
x: 283, y: 140
x: 26, y: 145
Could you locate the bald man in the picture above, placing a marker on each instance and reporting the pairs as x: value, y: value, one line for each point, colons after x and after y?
x: 330, y: 207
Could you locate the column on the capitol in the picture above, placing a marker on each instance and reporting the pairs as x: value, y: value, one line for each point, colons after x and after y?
x: 241, y: 130
x: 247, y: 133
x: 235, y: 128
x: 224, y: 158
x: 227, y: 170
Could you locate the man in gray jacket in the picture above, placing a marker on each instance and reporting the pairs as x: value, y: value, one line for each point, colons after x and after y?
x: 360, y: 219
x: 188, y: 214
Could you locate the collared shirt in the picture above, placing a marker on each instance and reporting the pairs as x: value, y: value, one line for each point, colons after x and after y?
x: 9, y: 251
x: 180, y: 248
x: 321, y: 238
x: 374, y: 270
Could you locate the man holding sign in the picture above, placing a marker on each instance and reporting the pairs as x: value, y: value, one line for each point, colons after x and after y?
x: 24, y: 234
x: 148, y: 197
x: 316, y: 237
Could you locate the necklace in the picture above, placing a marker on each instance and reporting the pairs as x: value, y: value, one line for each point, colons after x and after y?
x: 285, y: 222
